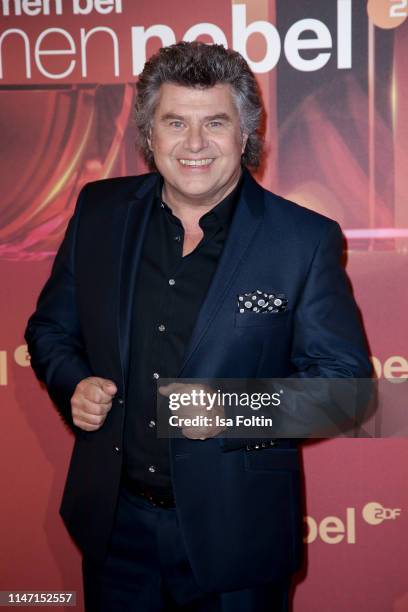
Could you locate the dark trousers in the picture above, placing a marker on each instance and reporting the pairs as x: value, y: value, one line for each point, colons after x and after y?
x: 147, y: 570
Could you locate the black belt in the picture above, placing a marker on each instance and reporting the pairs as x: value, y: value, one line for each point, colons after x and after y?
x: 156, y: 499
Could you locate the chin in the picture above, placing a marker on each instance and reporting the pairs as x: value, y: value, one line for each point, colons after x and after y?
x: 195, y: 186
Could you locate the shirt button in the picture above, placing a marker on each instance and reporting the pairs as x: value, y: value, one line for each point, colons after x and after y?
x: 120, y: 400
x: 156, y: 375
x: 162, y: 327
x: 178, y: 238
x: 172, y: 281
x: 152, y: 424
x: 116, y: 449
x: 152, y: 468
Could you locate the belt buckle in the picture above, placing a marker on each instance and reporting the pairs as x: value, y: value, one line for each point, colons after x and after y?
x: 158, y: 503
x: 155, y: 500
x: 148, y: 496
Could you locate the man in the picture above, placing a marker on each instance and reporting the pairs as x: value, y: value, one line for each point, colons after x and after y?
x: 145, y: 286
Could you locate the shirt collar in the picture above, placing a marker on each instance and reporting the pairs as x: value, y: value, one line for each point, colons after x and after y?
x: 221, y: 214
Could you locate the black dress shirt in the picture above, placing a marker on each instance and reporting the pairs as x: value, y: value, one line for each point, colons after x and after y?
x: 169, y: 292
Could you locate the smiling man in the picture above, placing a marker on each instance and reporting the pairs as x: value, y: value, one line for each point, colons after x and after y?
x: 197, y: 142
x: 147, y: 285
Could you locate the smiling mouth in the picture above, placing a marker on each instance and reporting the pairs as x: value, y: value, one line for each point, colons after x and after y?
x: 196, y: 162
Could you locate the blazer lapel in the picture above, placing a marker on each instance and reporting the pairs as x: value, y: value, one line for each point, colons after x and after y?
x: 138, y: 212
x: 245, y: 222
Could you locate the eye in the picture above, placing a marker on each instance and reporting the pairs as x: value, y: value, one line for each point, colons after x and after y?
x: 215, y: 124
x: 176, y: 124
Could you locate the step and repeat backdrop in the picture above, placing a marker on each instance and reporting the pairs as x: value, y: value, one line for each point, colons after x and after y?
x: 335, y: 85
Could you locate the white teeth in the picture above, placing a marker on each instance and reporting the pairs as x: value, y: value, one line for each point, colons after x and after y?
x: 195, y: 162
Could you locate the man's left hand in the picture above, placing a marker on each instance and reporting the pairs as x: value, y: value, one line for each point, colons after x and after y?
x: 193, y: 410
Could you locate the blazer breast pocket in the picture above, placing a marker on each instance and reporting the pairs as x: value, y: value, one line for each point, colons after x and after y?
x: 265, y: 320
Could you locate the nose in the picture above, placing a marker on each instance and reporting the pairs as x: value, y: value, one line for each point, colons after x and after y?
x: 195, y: 139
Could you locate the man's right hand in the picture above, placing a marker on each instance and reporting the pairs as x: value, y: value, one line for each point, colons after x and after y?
x: 91, y: 402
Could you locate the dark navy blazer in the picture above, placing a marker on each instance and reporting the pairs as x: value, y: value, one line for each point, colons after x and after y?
x: 239, y: 510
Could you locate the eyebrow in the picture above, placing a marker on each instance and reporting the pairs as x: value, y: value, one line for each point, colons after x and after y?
x: 222, y: 116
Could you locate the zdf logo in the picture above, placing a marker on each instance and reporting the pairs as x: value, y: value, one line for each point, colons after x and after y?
x: 374, y: 513
x: 336, y: 529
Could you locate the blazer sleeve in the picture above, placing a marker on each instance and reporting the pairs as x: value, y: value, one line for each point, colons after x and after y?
x: 329, y: 339
x: 53, y: 333
x: 329, y: 347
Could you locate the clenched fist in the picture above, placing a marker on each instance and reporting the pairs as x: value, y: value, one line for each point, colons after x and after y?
x: 189, y: 411
x: 91, y: 402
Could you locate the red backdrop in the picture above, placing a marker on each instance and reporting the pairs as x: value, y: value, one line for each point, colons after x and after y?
x: 336, y: 91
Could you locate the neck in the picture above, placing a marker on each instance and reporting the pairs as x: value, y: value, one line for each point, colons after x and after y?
x: 190, y: 211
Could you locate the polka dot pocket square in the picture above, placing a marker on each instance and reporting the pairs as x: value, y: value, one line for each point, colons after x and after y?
x: 261, y: 302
